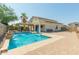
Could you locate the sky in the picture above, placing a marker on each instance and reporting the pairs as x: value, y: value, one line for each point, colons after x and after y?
x: 61, y: 12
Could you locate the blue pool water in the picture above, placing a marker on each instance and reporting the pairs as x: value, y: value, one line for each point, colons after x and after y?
x: 24, y: 38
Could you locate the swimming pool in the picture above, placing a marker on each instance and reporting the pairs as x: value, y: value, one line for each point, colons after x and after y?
x: 24, y: 38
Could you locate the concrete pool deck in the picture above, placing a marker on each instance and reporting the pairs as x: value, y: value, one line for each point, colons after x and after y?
x: 69, y: 45
x: 33, y: 46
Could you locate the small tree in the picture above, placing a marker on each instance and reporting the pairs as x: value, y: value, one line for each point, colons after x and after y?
x: 6, y: 14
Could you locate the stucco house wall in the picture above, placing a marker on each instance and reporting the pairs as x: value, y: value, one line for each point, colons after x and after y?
x: 53, y: 27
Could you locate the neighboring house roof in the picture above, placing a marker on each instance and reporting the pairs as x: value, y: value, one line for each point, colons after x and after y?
x: 74, y: 23
x: 41, y: 18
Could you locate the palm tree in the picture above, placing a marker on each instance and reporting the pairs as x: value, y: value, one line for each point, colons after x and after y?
x: 24, y: 21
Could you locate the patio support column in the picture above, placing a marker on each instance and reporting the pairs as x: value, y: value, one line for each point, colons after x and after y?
x: 39, y: 28
x: 33, y: 27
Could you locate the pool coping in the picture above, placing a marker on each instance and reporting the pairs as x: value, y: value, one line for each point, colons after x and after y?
x: 27, y: 48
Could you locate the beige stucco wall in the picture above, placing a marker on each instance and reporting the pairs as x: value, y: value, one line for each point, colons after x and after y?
x: 53, y: 26
x: 77, y: 28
